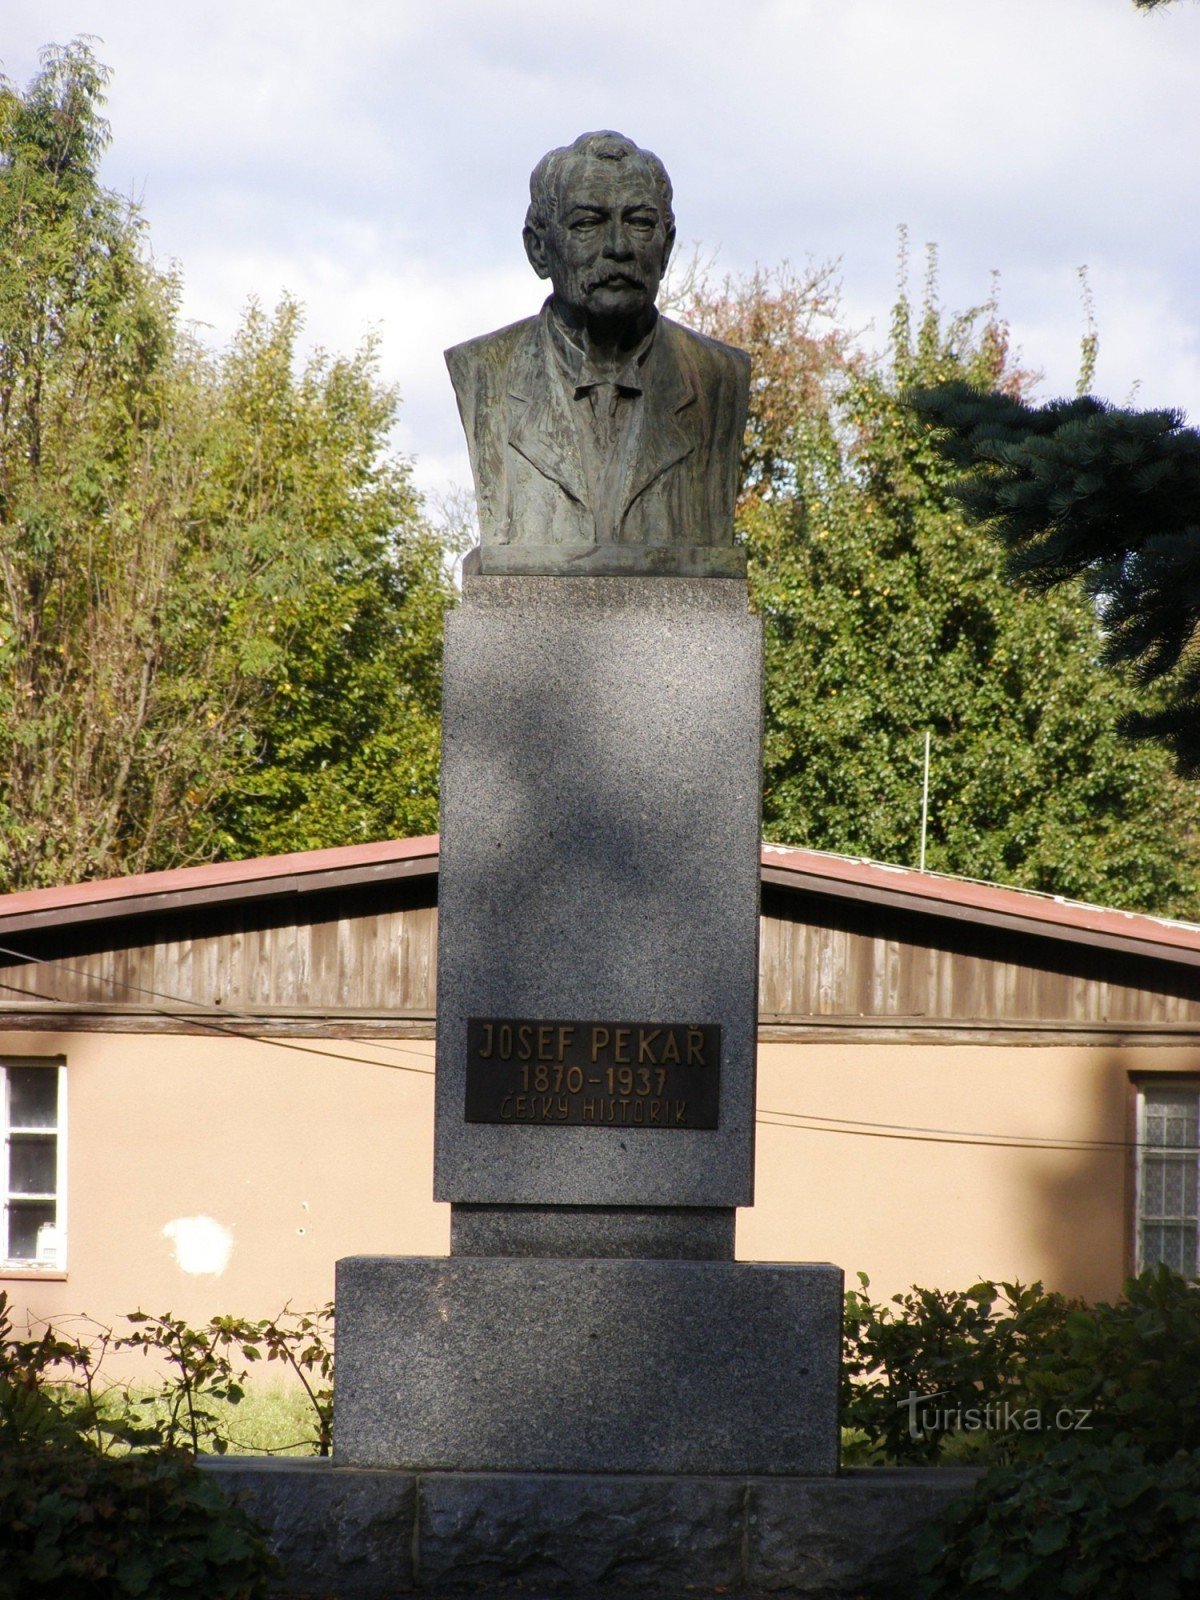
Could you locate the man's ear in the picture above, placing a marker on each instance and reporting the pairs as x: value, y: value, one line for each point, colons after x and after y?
x: 668, y: 247
x: 535, y: 249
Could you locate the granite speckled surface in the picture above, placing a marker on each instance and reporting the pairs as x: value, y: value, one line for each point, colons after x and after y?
x: 579, y: 1534
x: 346, y: 1533
x: 600, y: 818
x: 670, y: 1233
x: 349, y: 1535
x: 479, y: 1364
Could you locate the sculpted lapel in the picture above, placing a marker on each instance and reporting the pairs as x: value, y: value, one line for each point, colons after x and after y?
x: 540, y: 426
x: 671, y: 428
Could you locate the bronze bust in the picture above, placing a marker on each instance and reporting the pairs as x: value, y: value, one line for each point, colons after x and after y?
x: 604, y: 438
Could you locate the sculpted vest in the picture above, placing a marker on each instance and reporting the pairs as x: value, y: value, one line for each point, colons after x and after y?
x: 525, y: 451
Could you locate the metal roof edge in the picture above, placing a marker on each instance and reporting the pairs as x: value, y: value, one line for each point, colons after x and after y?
x: 990, y: 904
x: 260, y: 877
x: 787, y: 866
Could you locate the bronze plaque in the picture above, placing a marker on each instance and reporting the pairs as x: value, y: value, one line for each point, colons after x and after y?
x: 593, y: 1074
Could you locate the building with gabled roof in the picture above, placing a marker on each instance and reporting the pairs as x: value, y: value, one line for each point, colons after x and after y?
x: 219, y: 1079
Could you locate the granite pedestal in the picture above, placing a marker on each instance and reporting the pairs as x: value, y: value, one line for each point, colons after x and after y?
x: 485, y: 1364
x: 598, y: 927
x: 356, y: 1533
x: 601, y: 772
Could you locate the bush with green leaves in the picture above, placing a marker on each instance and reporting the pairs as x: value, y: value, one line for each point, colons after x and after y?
x: 968, y: 1347
x: 1134, y: 1365
x: 1080, y: 1520
x: 52, y: 1385
x: 201, y: 1364
x: 80, y: 1523
x: 77, y: 1525
x: 1125, y: 1373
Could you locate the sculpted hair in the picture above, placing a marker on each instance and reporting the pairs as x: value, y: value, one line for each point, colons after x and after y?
x: 545, y: 181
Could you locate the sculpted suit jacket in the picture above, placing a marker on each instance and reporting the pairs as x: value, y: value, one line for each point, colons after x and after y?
x: 526, y: 457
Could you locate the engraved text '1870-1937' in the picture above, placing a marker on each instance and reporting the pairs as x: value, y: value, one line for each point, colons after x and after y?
x: 593, y: 1074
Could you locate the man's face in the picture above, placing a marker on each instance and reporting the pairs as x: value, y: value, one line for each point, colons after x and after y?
x: 607, y: 246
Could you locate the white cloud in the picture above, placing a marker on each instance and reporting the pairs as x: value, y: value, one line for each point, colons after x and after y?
x: 373, y: 158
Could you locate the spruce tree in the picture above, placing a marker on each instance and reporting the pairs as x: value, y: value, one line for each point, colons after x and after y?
x: 888, y: 614
x: 1080, y: 490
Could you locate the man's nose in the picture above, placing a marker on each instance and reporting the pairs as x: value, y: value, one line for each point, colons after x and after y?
x: 617, y: 244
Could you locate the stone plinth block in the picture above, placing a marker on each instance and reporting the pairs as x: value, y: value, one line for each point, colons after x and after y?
x: 522, y: 1365
x: 601, y: 744
x: 345, y: 1533
x: 349, y: 1536
x: 674, y: 1234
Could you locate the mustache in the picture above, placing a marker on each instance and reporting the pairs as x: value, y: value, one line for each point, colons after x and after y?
x: 604, y: 280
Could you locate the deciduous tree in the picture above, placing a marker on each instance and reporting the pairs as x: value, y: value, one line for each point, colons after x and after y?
x: 220, y: 610
x: 887, y: 614
x: 1078, y: 489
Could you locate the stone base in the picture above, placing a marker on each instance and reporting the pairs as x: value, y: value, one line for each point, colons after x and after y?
x: 369, y: 1535
x: 601, y: 768
x: 678, y: 1233
x: 606, y: 560
x: 483, y: 1364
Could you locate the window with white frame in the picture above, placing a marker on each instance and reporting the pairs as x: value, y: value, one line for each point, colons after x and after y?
x: 1168, y: 1221
x: 33, y: 1166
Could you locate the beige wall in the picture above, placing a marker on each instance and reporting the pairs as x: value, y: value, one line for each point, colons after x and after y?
x: 297, y: 1153
x: 945, y: 1214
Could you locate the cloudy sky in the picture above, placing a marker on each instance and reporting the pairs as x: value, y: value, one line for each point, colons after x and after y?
x: 372, y: 157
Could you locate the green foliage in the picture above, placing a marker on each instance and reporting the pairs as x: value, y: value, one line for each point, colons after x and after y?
x: 1121, y: 1374
x: 75, y: 1525
x: 1079, y: 489
x: 78, y: 1522
x: 193, y: 1411
x: 1135, y: 1365
x: 969, y: 1348
x: 220, y: 608
x: 345, y: 635
x: 1081, y: 1520
x: 887, y: 613
x: 53, y: 1388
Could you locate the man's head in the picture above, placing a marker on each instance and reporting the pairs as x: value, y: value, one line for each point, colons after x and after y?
x: 600, y: 227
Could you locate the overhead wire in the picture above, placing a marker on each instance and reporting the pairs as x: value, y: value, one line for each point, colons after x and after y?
x: 210, y: 1023
x: 812, y: 1122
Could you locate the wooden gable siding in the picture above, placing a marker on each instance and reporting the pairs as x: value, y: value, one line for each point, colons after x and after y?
x: 362, y: 959
x: 823, y: 958
x: 366, y: 950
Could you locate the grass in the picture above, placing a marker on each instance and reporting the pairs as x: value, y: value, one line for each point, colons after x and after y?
x: 270, y: 1419
x: 277, y: 1419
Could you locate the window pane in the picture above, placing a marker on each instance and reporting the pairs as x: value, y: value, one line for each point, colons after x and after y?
x: 1170, y: 1166
x: 1168, y: 1186
x: 32, y: 1165
x: 1171, y: 1242
x: 33, y: 1097
x: 23, y: 1224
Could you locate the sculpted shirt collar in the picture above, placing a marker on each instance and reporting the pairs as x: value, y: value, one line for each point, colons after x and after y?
x: 581, y: 369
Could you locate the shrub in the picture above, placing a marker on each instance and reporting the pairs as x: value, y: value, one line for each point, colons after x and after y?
x: 202, y: 1364
x: 1134, y: 1365
x: 967, y: 1347
x: 77, y: 1525
x: 1080, y: 1520
x: 51, y: 1385
x: 1125, y: 1373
